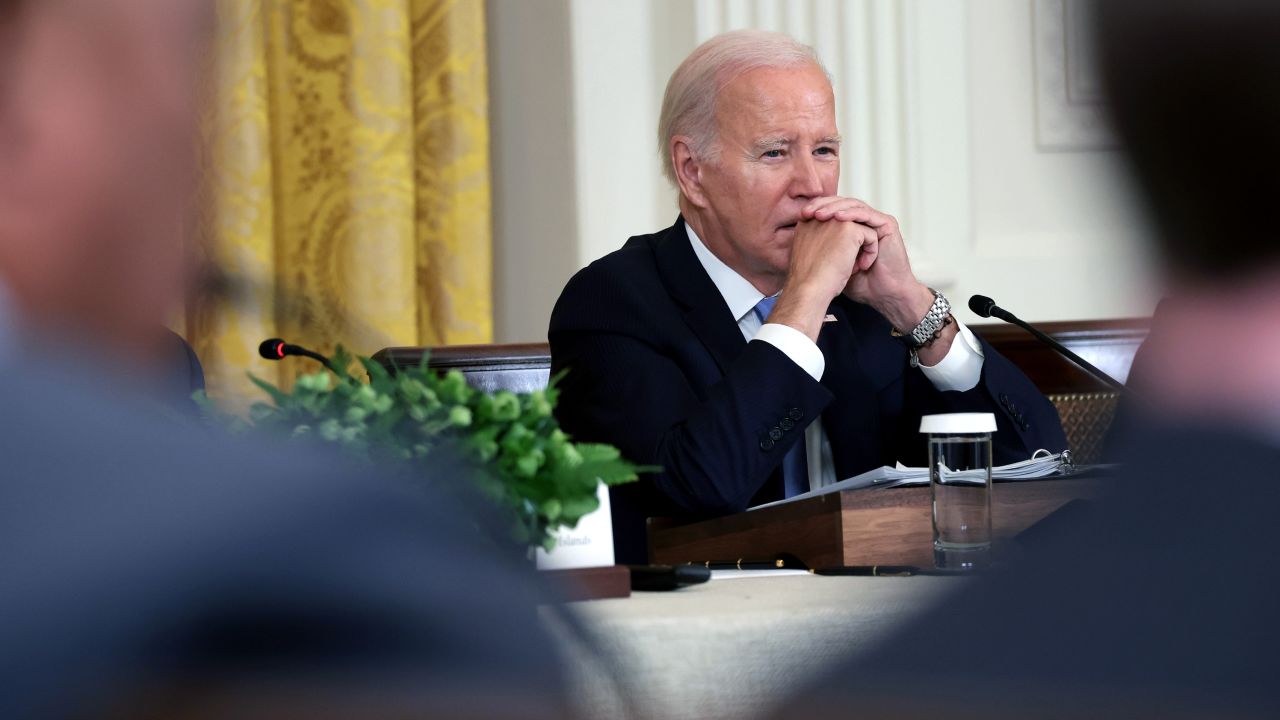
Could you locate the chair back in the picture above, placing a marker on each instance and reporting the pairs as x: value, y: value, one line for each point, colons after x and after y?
x: 1085, y: 405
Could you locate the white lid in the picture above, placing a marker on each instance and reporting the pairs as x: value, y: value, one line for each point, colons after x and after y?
x: 958, y: 423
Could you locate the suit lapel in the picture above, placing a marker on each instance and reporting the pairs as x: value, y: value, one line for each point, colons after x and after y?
x: 839, y: 345
x: 704, y: 308
x: 851, y: 421
x: 835, y: 335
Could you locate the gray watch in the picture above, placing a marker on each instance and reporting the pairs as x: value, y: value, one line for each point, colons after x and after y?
x: 929, y: 329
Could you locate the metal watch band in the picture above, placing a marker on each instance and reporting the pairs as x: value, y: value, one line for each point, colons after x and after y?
x: 933, y: 321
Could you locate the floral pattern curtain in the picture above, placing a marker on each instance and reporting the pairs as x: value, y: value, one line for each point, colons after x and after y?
x: 350, y: 182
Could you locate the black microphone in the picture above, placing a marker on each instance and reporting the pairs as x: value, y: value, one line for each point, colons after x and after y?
x: 277, y: 349
x: 983, y: 306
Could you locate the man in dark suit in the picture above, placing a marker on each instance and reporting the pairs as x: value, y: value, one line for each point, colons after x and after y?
x: 774, y: 339
x: 1161, y: 600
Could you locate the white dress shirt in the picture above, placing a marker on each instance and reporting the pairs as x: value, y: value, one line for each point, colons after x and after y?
x: 960, y: 370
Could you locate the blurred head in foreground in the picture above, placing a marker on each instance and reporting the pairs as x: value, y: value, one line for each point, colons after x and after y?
x: 152, y: 569
x: 1195, y: 92
x: 1159, y: 600
x: 98, y: 162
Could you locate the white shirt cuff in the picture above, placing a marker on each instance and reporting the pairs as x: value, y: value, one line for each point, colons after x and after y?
x: 961, y: 369
x: 797, y: 346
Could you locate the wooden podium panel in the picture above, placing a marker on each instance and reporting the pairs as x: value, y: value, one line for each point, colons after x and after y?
x: 852, y: 528
x: 596, y: 583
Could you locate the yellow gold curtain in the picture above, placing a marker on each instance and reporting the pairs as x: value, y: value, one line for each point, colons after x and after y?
x: 350, y: 175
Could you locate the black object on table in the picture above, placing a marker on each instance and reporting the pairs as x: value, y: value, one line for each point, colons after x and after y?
x: 667, y: 577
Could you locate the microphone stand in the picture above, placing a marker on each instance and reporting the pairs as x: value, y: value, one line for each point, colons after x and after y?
x: 1066, y: 352
x: 986, y: 307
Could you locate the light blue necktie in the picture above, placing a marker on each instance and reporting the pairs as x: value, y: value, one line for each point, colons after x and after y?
x: 795, y: 467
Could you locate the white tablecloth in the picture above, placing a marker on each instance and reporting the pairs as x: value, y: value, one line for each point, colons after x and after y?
x: 729, y: 648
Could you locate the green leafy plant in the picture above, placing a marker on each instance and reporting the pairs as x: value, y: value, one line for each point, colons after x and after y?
x: 536, y: 473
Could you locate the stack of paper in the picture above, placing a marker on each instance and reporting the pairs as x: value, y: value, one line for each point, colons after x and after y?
x: 901, y: 476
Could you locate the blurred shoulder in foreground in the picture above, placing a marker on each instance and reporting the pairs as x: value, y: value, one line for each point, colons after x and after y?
x: 1157, y: 603
x: 1160, y: 601
x: 153, y: 565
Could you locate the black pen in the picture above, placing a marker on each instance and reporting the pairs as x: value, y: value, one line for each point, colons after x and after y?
x: 745, y: 565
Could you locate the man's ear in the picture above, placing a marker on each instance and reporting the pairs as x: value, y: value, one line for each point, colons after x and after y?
x: 688, y: 169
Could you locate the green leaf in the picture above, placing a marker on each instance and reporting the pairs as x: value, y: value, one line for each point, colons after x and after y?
x: 460, y: 417
x: 202, y: 401
x: 278, y: 396
x: 536, y: 474
x: 575, y: 509
x: 550, y: 509
x: 377, y: 373
x: 597, y: 453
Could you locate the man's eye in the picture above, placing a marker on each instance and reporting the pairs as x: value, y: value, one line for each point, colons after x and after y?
x: 825, y: 151
x: 773, y: 153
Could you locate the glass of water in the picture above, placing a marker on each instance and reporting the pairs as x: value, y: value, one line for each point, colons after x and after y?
x: 960, y: 479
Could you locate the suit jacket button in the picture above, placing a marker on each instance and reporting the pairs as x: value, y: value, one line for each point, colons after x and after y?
x: 766, y: 444
x: 786, y: 425
x: 775, y: 434
x: 796, y: 414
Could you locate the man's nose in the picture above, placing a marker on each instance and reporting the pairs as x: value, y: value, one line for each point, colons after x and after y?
x: 806, y: 182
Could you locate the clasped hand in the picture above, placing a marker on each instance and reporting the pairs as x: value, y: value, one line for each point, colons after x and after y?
x: 843, y: 245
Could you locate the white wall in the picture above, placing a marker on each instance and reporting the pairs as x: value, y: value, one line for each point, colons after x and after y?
x: 535, y: 202
x: 1068, y: 215
x: 937, y: 104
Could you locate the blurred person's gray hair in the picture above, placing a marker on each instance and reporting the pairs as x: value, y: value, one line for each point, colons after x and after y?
x: 689, y: 104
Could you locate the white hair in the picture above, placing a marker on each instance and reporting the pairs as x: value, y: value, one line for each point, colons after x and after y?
x: 689, y: 104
